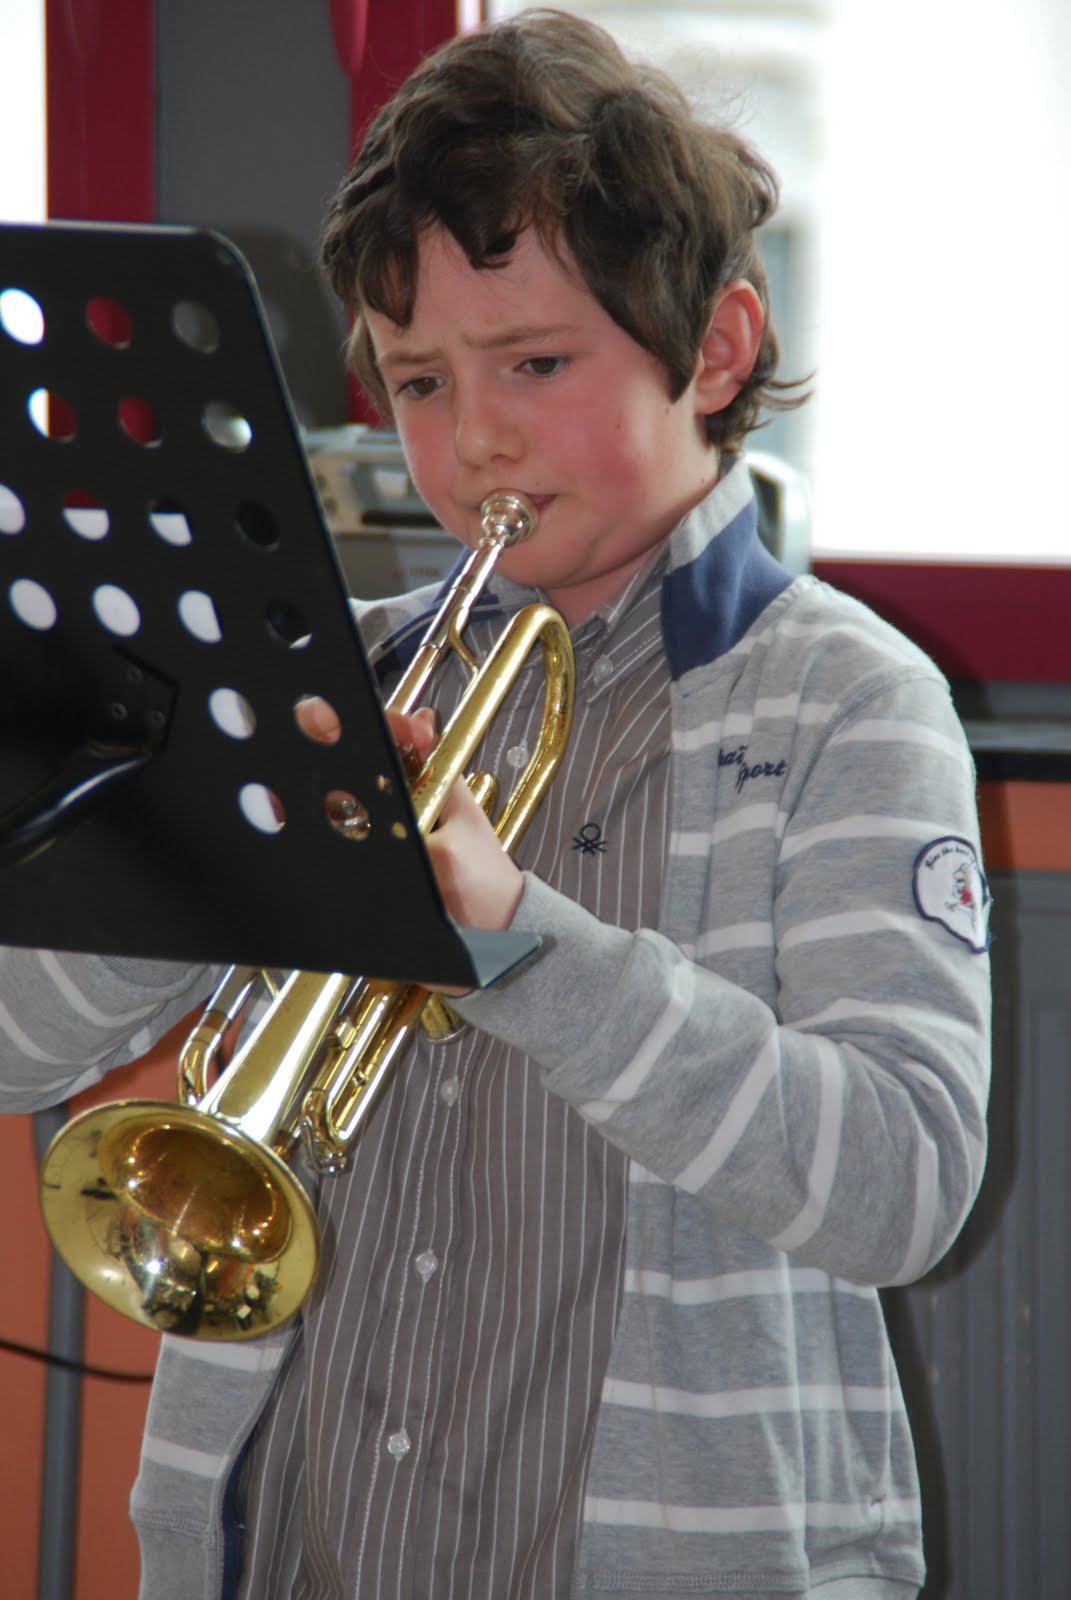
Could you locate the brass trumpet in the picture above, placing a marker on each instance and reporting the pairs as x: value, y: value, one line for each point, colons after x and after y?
x: 188, y: 1218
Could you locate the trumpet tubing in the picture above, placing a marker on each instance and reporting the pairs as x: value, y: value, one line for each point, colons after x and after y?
x: 188, y: 1218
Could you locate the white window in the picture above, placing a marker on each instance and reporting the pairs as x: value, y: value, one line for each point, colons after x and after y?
x: 22, y: 110
x: 924, y: 258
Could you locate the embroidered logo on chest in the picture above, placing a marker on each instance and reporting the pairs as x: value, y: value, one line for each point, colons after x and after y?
x: 950, y: 888
x: 747, y: 771
x: 589, y: 841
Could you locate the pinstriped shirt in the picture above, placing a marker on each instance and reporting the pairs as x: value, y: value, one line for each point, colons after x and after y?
x: 431, y: 1430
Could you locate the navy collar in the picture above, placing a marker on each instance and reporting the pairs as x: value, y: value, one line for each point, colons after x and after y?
x: 721, y: 575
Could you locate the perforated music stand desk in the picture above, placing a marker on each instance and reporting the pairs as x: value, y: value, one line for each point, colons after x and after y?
x: 168, y: 594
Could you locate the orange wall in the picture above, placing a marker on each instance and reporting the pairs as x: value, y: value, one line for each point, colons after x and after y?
x: 112, y: 1413
x: 1026, y: 825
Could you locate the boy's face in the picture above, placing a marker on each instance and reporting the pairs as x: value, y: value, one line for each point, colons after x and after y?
x: 516, y: 378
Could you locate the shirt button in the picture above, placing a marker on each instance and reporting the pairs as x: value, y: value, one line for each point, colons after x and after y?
x: 449, y: 1090
x: 601, y: 669
x: 399, y: 1444
x: 517, y: 755
x: 427, y: 1264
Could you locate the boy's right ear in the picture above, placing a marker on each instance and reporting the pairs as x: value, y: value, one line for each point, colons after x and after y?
x: 730, y: 347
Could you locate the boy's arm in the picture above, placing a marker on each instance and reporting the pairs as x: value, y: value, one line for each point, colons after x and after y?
x: 848, y: 1125
x: 66, y: 1019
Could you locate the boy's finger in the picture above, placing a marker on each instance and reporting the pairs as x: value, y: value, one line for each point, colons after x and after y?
x: 414, y: 731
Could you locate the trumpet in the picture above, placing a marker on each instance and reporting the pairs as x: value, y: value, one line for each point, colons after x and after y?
x: 190, y: 1218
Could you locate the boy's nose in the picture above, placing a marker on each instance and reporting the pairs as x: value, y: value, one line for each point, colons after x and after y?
x: 485, y: 431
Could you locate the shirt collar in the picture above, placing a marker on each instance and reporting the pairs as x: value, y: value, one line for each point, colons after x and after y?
x: 720, y: 575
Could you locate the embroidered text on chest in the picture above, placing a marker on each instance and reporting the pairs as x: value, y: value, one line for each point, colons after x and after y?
x: 746, y: 770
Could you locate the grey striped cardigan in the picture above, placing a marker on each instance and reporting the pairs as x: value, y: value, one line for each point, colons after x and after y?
x: 796, y: 1062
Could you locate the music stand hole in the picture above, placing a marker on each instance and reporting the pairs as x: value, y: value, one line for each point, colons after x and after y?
x: 317, y: 719
x: 170, y: 521
x: 84, y: 516
x: 346, y: 814
x: 139, y: 421
x: 199, y: 616
x: 195, y: 326
x: 52, y: 416
x: 257, y: 524
x: 21, y: 316
x: 109, y: 321
x: 287, y: 625
x: 116, y: 610
x: 32, y: 604
x: 232, y: 713
x: 12, y: 511
x: 261, y: 807
x: 227, y: 427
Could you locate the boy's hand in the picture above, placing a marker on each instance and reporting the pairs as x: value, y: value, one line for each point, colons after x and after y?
x: 479, y: 882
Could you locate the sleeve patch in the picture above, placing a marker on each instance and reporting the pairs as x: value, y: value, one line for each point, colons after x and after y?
x: 950, y: 888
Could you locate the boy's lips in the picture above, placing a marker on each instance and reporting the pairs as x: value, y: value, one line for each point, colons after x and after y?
x: 539, y: 502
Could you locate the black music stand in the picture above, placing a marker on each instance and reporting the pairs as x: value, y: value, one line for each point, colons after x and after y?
x: 168, y: 594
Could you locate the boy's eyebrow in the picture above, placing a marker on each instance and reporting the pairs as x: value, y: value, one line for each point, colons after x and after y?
x: 522, y: 334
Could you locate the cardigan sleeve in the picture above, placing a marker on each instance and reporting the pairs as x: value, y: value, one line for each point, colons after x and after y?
x: 66, y: 1020
x: 840, y: 1116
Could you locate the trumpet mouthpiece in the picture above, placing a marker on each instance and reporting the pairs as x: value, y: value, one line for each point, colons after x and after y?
x: 507, y: 517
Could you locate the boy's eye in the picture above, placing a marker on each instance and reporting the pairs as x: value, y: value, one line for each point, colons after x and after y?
x: 420, y: 388
x: 543, y: 366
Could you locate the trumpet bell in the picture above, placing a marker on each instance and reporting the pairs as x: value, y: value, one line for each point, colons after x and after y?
x: 179, y: 1221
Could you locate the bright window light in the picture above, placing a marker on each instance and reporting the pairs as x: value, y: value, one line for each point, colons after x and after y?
x: 937, y: 196
x: 943, y: 416
x: 470, y: 14
x: 22, y: 111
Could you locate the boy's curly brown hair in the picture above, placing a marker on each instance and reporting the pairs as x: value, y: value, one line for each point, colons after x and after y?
x: 542, y: 122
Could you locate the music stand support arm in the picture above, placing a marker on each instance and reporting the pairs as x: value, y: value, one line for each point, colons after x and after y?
x: 85, y: 780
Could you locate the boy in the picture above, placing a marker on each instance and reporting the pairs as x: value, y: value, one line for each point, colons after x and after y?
x: 600, y: 1311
